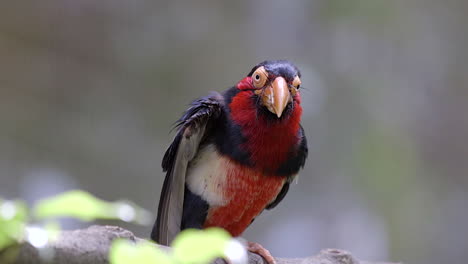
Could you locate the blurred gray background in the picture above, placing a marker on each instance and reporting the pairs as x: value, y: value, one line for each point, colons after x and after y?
x: 90, y: 89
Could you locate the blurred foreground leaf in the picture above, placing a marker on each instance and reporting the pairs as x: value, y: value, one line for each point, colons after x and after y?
x: 200, y: 246
x: 126, y: 252
x: 13, y: 216
x: 84, y: 206
x: 191, y: 246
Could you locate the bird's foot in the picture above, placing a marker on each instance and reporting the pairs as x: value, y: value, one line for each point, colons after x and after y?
x: 260, y: 250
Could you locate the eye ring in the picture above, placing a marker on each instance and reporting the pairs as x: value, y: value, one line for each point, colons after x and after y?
x: 297, y: 82
x: 260, y: 77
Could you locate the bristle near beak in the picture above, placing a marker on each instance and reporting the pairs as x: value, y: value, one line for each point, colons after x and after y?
x: 276, y: 96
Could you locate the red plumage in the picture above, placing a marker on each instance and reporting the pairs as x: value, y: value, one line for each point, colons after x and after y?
x: 247, y: 191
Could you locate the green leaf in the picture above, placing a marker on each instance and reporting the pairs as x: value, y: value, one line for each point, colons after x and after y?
x: 13, y: 216
x: 77, y: 204
x: 84, y: 206
x: 126, y: 252
x: 200, y: 246
x: 5, y: 238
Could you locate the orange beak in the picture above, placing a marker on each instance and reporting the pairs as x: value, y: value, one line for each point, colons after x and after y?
x: 276, y: 96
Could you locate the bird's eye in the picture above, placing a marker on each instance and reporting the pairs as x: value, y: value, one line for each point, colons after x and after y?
x: 259, y: 77
x: 296, y: 82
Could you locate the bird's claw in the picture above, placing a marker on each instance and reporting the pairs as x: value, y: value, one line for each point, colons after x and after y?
x: 260, y: 250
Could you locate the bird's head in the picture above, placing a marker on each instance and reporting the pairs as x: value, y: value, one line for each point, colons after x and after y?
x: 274, y: 85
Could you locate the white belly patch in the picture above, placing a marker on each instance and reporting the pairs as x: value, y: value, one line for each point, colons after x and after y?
x: 206, y: 175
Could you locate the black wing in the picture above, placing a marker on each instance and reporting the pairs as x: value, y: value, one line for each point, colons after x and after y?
x: 192, y: 128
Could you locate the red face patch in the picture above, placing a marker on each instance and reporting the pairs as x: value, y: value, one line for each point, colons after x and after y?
x: 245, y: 84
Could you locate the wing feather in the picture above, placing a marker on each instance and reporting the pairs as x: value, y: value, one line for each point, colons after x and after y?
x: 192, y: 128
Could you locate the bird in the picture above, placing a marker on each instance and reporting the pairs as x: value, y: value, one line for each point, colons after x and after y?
x: 234, y: 155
